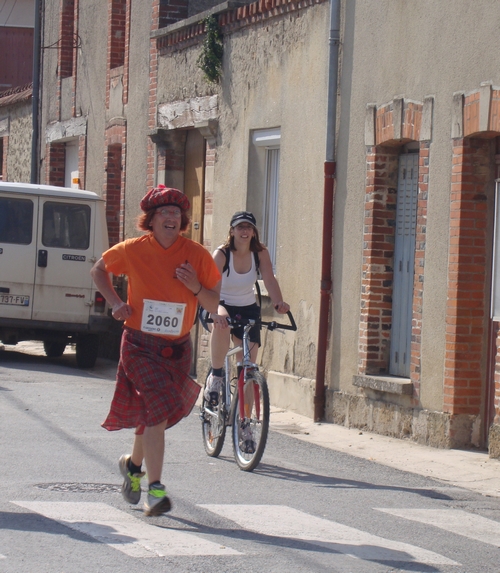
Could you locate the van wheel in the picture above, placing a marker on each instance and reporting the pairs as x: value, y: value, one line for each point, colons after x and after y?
x: 87, y: 348
x: 54, y: 348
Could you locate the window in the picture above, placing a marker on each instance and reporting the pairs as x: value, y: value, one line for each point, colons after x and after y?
x: 263, y: 198
x: 16, y: 221
x: 66, y: 226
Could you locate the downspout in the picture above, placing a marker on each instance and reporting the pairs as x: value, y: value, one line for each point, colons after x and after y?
x: 328, y: 208
x: 35, y: 96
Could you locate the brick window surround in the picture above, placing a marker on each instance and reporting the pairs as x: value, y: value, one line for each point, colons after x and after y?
x: 476, y: 164
x: 118, y: 46
x: 55, y: 163
x: 67, y: 39
x: 67, y: 53
x: 395, y: 124
x: 467, y: 310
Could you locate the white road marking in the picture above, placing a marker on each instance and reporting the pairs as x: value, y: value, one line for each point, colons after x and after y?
x: 124, y: 532
x: 455, y: 521
x: 282, y: 521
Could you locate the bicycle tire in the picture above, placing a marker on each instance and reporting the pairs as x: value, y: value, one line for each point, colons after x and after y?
x: 213, y: 428
x: 258, y: 424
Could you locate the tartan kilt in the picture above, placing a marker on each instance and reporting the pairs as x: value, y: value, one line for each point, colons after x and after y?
x: 152, y: 382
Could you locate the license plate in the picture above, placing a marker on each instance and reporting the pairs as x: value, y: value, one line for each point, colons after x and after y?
x: 15, y: 299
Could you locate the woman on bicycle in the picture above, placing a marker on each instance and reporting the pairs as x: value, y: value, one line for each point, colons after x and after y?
x: 244, y: 256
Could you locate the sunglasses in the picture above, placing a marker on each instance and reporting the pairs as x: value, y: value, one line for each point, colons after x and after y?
x: 164, y: 212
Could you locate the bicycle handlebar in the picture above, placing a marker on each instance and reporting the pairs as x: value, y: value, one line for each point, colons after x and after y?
x: 270, y: 325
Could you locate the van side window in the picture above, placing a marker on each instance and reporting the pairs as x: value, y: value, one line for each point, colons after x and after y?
x: 66, y: 225
x: 16, y: 221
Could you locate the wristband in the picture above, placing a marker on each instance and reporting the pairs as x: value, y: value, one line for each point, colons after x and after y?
x: 197, y: 293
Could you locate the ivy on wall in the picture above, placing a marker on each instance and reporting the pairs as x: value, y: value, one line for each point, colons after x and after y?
x: 210, y: 59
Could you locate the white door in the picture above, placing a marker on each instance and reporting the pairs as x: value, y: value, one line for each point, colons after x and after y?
x: 17, y: 255
x: 70, y: 163
x: 65, y: 247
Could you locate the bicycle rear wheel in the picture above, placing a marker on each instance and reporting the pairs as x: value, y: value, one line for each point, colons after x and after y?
x: 249, y: 434
x: 213, y: 422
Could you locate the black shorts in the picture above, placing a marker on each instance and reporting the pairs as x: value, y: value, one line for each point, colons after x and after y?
x: 252, y: 311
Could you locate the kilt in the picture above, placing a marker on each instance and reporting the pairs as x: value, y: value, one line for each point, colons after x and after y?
x: 152, y: 382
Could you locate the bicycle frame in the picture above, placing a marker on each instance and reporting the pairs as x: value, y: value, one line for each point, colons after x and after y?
x: 246, y: 413
x: 246, y: 364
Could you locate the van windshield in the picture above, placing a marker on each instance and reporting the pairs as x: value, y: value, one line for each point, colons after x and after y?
x: 16, y: 221
x: 66, y: 225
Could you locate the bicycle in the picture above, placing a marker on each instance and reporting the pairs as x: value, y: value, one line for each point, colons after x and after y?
x: 243, y: 403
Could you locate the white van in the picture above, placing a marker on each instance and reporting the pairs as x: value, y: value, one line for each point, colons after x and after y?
x: 49, y: 239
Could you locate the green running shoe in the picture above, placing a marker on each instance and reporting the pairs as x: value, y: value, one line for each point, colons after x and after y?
x: 131, y: 487
x: 157, y: 502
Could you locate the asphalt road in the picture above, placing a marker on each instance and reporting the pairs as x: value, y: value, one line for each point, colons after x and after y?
x: 305, y: 509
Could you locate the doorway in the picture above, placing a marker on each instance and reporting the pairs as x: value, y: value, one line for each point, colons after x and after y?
x: 194, y: 188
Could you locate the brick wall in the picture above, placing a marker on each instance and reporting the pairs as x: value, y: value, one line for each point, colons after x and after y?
x: 171, y: 11
x: 114, y: 186
x: 467, y: 311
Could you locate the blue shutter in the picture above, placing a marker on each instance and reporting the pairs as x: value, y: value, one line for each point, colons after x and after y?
x: 404, y: 261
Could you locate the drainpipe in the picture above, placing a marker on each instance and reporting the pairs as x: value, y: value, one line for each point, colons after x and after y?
x: 35, y: 96
x: 328, y: 207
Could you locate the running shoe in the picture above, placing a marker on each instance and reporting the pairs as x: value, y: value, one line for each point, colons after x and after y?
x: 131, y: 488
x: 212, y: 389
x: 158, y: 502
x: 247, y: 443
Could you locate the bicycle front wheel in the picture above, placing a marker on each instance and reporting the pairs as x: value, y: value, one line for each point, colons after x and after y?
x: 249, y: 433
x: 213, y: 422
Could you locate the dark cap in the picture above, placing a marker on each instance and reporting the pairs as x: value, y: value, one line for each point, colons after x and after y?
x: 162, y: 195
x: 243, y: 217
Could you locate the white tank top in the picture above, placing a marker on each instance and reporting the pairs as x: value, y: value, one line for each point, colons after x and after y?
x: 238, y: 289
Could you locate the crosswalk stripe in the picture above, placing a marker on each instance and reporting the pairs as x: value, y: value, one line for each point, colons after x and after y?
x: 282, y: 521
x: 455, y: 521
x: 124, y: 532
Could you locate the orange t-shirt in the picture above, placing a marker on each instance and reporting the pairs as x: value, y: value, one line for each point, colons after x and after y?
x: 151, y: 274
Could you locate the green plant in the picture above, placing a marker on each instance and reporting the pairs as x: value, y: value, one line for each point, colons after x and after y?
x: 210, y: 59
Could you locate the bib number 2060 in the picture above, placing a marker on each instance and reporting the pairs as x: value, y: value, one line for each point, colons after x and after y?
x: 159, y: 320
x: 162, y: 317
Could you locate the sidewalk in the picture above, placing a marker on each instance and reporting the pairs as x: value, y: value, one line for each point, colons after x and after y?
x: 471, y: 470
x: 467, y: 469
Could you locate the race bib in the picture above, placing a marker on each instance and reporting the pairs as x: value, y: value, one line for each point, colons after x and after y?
x: 162, y: 317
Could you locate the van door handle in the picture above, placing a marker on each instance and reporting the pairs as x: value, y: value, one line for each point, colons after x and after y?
x: 42, y: 258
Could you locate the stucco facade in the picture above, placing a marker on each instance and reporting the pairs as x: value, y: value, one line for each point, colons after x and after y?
x: 274, y: 77
x: 422, y: 74
x: 15, y: 134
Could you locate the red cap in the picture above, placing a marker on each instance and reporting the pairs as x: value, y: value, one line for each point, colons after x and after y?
x: 162, y: 195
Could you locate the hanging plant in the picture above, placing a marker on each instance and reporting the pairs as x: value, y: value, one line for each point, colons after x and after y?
x: 210, y: 59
